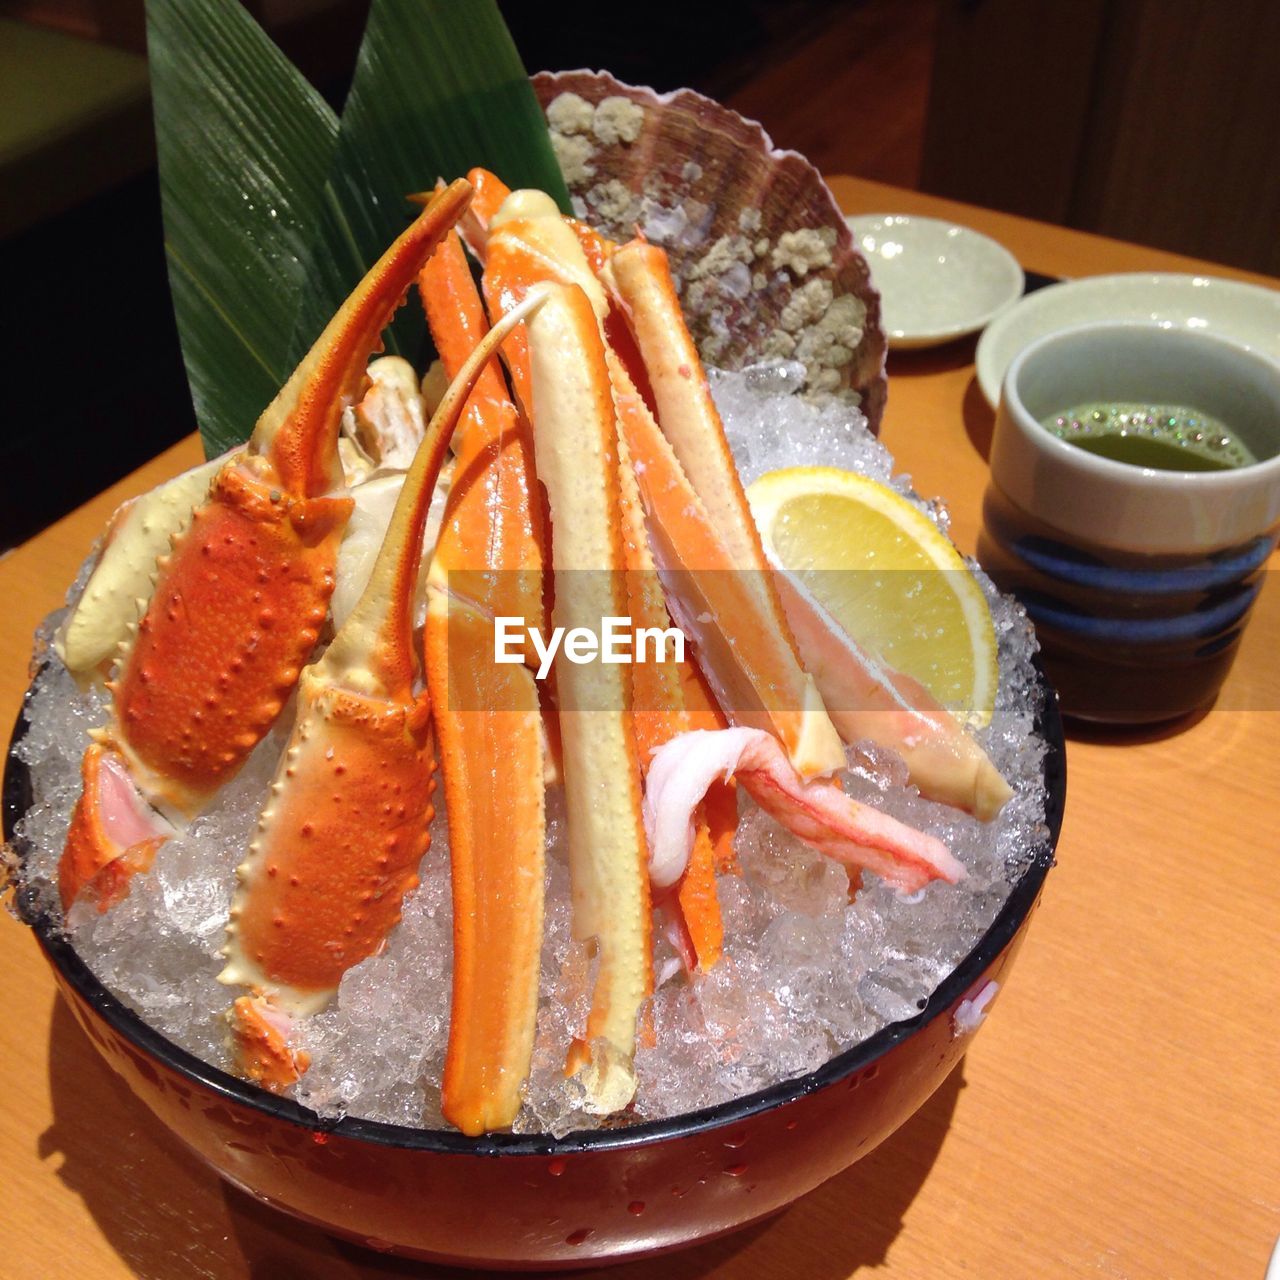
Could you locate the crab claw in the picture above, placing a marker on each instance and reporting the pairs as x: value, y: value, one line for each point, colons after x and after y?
x: 117, y: 591
x: 346, y: 824
x: 240, y: 600
x: 261, y: 1035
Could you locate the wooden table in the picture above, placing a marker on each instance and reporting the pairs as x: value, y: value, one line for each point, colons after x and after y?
x: 1117, y: 1118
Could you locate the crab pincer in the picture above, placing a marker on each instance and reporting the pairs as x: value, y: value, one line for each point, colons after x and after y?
x: 239, y: 601
x: 346, y: 822
x: 116, y: 594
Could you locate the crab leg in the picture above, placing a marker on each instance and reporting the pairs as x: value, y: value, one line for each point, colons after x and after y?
x: 346, y: 825
x: 659, y: 712
x: 473, y: 226
x: 728, y: 610
x: 487, y: 563
x: 529, y: 241
x: 718, y: 583
x: 672, y: 706
x: 945, y: 761
x: 239, y: 601
x: 695, y: 465
x: 575, y: 439
x: 720, y: 803
x: 755, y: 674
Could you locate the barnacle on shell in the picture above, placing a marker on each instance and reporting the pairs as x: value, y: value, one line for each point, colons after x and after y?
x: 760, y: 251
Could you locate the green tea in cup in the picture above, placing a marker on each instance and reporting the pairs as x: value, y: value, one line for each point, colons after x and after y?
x: 1166, y: 437
x: 1133, y: 506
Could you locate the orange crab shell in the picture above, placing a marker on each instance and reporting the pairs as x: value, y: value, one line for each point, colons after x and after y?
x: 358, y: 769
x: 98, y: 852
x: 262, y: 1046
x: 233, y: 620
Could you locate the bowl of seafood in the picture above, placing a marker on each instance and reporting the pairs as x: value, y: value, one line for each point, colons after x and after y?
x: 495, y: 815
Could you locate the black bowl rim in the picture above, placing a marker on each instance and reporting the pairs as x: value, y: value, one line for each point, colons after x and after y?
x: 17, y: 799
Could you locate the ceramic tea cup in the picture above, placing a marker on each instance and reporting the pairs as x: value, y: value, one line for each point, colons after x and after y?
x: 1139, y: 579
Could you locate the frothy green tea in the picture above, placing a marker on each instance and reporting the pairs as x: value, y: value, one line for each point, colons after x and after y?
x: 1168, y: 437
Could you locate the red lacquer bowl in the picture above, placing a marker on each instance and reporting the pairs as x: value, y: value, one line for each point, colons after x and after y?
x: 510, y: 1201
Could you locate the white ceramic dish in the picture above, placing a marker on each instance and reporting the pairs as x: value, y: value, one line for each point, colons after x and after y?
x: 1245, y: 313
x: 937, y: 280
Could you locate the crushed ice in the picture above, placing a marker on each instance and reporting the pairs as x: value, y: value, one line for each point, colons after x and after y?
x: 805, y: 973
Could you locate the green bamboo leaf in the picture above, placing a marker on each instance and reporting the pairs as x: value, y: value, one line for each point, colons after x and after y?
x: 438, y: 89
x: 245, y: 145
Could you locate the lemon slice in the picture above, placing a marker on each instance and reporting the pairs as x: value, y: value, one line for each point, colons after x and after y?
x: 887, y: 575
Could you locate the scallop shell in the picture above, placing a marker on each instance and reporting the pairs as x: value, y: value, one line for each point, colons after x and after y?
x: 761, y: 253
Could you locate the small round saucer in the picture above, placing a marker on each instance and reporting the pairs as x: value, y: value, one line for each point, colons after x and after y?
x: 937, y: 280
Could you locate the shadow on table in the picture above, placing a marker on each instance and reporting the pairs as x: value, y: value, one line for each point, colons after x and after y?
x: 846, y: 1224
x: 1127, y: 735
x: 159, y: 1207
x: 926, y: 360
x: 979, y: 419
x: 166, y: 1214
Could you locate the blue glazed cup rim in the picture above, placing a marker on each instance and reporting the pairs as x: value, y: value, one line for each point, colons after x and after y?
x: 1221, y: 571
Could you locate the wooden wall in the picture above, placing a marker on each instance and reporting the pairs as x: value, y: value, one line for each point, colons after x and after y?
x: 1151, y: 120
